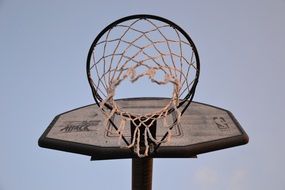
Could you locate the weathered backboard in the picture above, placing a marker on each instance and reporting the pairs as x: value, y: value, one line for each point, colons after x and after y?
x: 203, y: 128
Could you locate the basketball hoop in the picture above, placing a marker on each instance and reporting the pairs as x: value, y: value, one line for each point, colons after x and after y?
x: 143, y: 46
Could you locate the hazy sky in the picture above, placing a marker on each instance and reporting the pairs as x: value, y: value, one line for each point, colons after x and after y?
x: 43, y: 49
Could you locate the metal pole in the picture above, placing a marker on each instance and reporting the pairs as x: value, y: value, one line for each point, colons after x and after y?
x: 142, y: 173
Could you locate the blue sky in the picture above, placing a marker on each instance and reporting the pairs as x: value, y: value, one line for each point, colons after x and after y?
x: 43, y: 49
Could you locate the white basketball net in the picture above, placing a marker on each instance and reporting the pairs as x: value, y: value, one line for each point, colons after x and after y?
x: 135, y: 49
